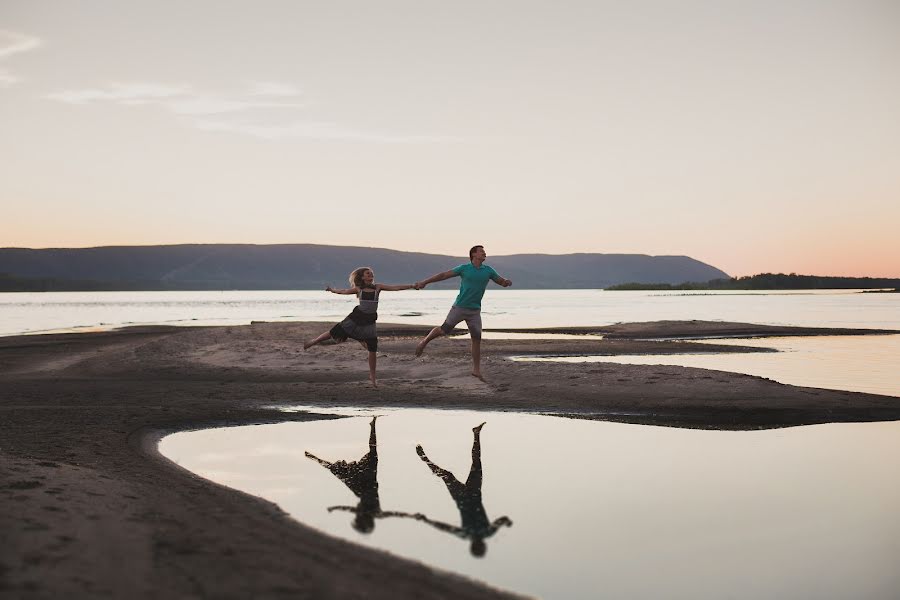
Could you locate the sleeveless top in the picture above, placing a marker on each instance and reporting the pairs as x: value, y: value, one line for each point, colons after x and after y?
x: 366, y: 312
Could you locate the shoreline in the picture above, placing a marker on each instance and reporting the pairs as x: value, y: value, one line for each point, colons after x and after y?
x: 86, y: 492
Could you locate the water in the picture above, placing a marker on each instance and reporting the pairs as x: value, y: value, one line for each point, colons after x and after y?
x: 596, y: 509
x: 859, y: 364
x: 56, y: 311
x: 851, y: 363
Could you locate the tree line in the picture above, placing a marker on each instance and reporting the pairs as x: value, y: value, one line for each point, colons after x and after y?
x: 770, y: 281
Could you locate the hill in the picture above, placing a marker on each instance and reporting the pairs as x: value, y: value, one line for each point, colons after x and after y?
x: 309, y: 266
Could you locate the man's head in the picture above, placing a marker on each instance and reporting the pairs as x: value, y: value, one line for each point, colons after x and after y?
x: 477, y: 252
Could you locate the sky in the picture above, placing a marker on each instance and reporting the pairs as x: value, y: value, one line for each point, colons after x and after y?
x: 756, y: 136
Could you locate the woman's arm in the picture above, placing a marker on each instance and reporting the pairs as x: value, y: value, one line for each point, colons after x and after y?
x: 349, y: 291
x: 383, y: 287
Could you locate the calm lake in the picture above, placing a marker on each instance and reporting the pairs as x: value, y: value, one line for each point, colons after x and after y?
x: 583, y: 509
x: 54, y: 311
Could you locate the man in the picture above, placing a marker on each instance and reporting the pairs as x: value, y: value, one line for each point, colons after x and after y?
x: 467, y: 306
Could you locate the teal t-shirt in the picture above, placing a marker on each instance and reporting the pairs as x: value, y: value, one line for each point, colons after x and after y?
x: 474, y: 282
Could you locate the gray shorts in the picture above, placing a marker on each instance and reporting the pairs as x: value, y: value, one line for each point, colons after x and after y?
x: 472, y: 317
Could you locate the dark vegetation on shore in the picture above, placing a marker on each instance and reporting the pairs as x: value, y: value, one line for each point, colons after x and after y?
x: 770, y: 281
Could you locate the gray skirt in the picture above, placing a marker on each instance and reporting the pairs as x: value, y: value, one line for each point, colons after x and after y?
x: 359, y: 332
x: 348, y: 328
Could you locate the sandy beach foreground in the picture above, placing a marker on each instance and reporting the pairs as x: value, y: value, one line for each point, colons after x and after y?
x: 88, y: 507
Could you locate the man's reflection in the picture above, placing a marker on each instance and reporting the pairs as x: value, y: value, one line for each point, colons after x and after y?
x: 361, y: 477
x: 475, y: 524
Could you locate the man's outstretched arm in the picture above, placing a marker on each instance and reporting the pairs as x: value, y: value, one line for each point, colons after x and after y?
x: 433, y: 278
x: 502, y: 281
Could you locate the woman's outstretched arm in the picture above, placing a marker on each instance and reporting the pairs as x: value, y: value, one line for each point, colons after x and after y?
x: 348, y: 291
x: 394, y: 288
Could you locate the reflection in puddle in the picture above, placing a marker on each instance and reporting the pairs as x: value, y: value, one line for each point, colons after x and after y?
x: 361, y: 477
x: 618, y: 510
x: 475, y: 524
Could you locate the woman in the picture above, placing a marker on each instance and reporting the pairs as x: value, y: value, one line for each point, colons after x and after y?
x: 360, y: 324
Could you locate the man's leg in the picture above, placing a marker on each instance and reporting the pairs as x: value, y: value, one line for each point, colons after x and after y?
x: 476, y: 358
x: 436, y: 332
x: 455, y: 315
x: 474, y: 323
x: 450, y: 480
x: 473, y: 482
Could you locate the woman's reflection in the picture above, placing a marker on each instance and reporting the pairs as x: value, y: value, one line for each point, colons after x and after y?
x: 361, y: 477
x: 475, y: 524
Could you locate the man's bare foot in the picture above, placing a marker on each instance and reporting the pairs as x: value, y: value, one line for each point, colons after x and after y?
x: 420, y: 348
x: 478, y: 375
x: 307, y: 345
x: 374, y: 381
x: 478, y: 429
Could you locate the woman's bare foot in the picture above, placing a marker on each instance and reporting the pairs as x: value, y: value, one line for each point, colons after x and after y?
x: 374, y: 381
x: 307, y: 345
x: 478, y: 375
x: 420, y: 348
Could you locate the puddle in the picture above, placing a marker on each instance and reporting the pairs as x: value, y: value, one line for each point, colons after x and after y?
x: 581, y: 509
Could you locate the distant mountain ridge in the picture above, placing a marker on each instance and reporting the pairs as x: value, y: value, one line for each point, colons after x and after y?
x: 312, y: 266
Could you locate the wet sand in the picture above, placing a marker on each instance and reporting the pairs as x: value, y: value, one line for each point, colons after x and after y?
x: 88, y: 507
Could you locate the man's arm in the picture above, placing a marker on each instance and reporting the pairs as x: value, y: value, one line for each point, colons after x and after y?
x: 348, y: 291
x: 502, y: 281
x: 438, y: 277
x: 445, y: 527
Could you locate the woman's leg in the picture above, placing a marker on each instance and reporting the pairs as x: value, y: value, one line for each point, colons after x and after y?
x: 324, y: 463
x: 318, y: 340
x: 372, y: 359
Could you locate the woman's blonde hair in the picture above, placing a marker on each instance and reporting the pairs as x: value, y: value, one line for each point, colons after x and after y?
x: 356, y: 276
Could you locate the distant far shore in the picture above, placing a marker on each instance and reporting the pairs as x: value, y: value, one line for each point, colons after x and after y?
x: 772, y: 281
x: 862, y: 284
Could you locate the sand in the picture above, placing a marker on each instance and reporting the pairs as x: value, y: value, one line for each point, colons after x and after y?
x: 88, y: 506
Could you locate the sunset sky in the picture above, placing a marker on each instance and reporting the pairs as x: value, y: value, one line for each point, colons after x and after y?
x: 755, y: 136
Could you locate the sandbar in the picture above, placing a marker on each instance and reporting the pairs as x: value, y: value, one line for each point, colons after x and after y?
x: 89, y: 508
